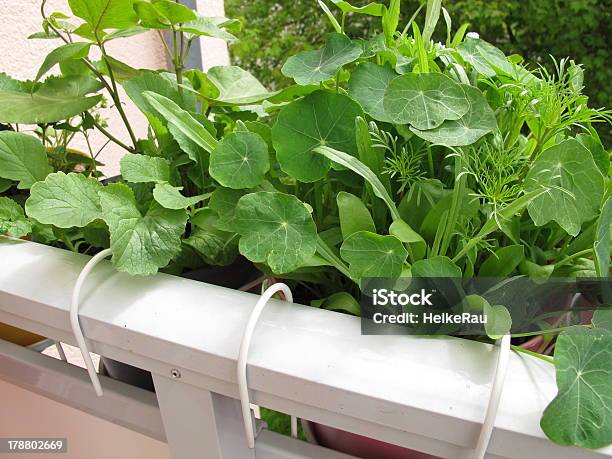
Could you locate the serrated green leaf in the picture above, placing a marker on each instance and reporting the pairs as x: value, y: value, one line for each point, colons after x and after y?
x: 141, y: 244
x: 216, y: 247
x: 574, y: 186
x: 373, y: 255
x: 311, y: 67
x: 23, y: 158
x: 425, y: 100
x: 143, y: 169
x: 240, y: 160
x: 320, y: 118
x: 603, y: 240
x: 276, y: 228
x: 354, y: 215
x: 209, y: 27
x: 477, y: 122
x: 58, y: 98
x: 13, y: 222
x: 170, y: 197
x: 367, y: 86
x: 162, y: 14
x: 65, y: 200
x: 105, y: 14
x: 581, y: 413
x: 61, y: 54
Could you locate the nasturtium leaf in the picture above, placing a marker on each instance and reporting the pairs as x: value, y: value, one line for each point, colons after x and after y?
x: 170, y: 197
x: 236, y: 85
x: 143, y: 169
x: 216, y: 247
x: 602, y: 318
x: 65, y: 200
x: 339, y: 301
x: 373, y: 255
x: 499, y: 320
x: 141, y: 244
x: 56, y: 99
x: 23, y: 158
x: 367, y: 86
x: 224, y: 201
x: 321, y: 118
x: 574, y: 186
x: 404, y: 232
x: 311, y: 67
x: 502, y: 262
x: 371, y: 9
x: 361, y: 169
x: 276, y: 228
x: 435, y: 267
x: 162, y: 14
x: 209, y: 27
x: 600, y: 155
x: 137, y: 87
x: 13, y: 222
x: 354, y: 215
x: 603, y: 240
x: 61, y: 54
x: 581, y: 413
x: 425, y: 100
x: 240, y: 160
x: 477, y: 122
x: 105, y: 14
x: 182, y: 120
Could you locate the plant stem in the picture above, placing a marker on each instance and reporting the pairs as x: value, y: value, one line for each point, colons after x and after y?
x: 115, y: 95
x: 430, y: 161
x: 177, y: 54
x: 552, y: 330
x: 111, y: 137
x: 573, y: 256
x: 531, y: 353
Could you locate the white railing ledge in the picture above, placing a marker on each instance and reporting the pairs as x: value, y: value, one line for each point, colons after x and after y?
x: 429, y: 394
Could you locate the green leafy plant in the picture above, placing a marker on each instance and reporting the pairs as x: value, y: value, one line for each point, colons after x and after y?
x: 390, y: 156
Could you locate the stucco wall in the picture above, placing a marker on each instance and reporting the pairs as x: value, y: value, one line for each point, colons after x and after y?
x: 20, y: 58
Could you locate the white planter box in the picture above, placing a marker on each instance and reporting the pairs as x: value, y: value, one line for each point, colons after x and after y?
x: 428, y: 394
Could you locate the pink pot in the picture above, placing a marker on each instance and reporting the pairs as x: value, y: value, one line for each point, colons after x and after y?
x: 358, y: 445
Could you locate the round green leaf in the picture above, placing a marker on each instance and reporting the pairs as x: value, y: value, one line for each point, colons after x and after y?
x: 321, y: 118
x: 240, y: 160
x: 477, y: 122
x: 311, y: 67
x: 65, y: 200
x: 367, y: 86
x: 276, y: 228
x: 425, y: 100
x: 372, y: 255
x: 141, y: 244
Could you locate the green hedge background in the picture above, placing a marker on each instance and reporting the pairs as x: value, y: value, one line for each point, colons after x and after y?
x: 580, y: 29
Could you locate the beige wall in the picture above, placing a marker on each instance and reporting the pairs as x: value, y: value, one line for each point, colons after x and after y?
x: 20, y: 58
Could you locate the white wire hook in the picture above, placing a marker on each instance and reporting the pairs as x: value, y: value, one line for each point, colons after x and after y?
x: 74, y: 319
x: 243, y: 355
x: 496, y: 390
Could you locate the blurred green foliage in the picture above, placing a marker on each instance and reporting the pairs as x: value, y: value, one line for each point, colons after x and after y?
x: 534, y: 29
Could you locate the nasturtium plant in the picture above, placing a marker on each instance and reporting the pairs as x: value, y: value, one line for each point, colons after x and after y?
x: 391, y: 155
